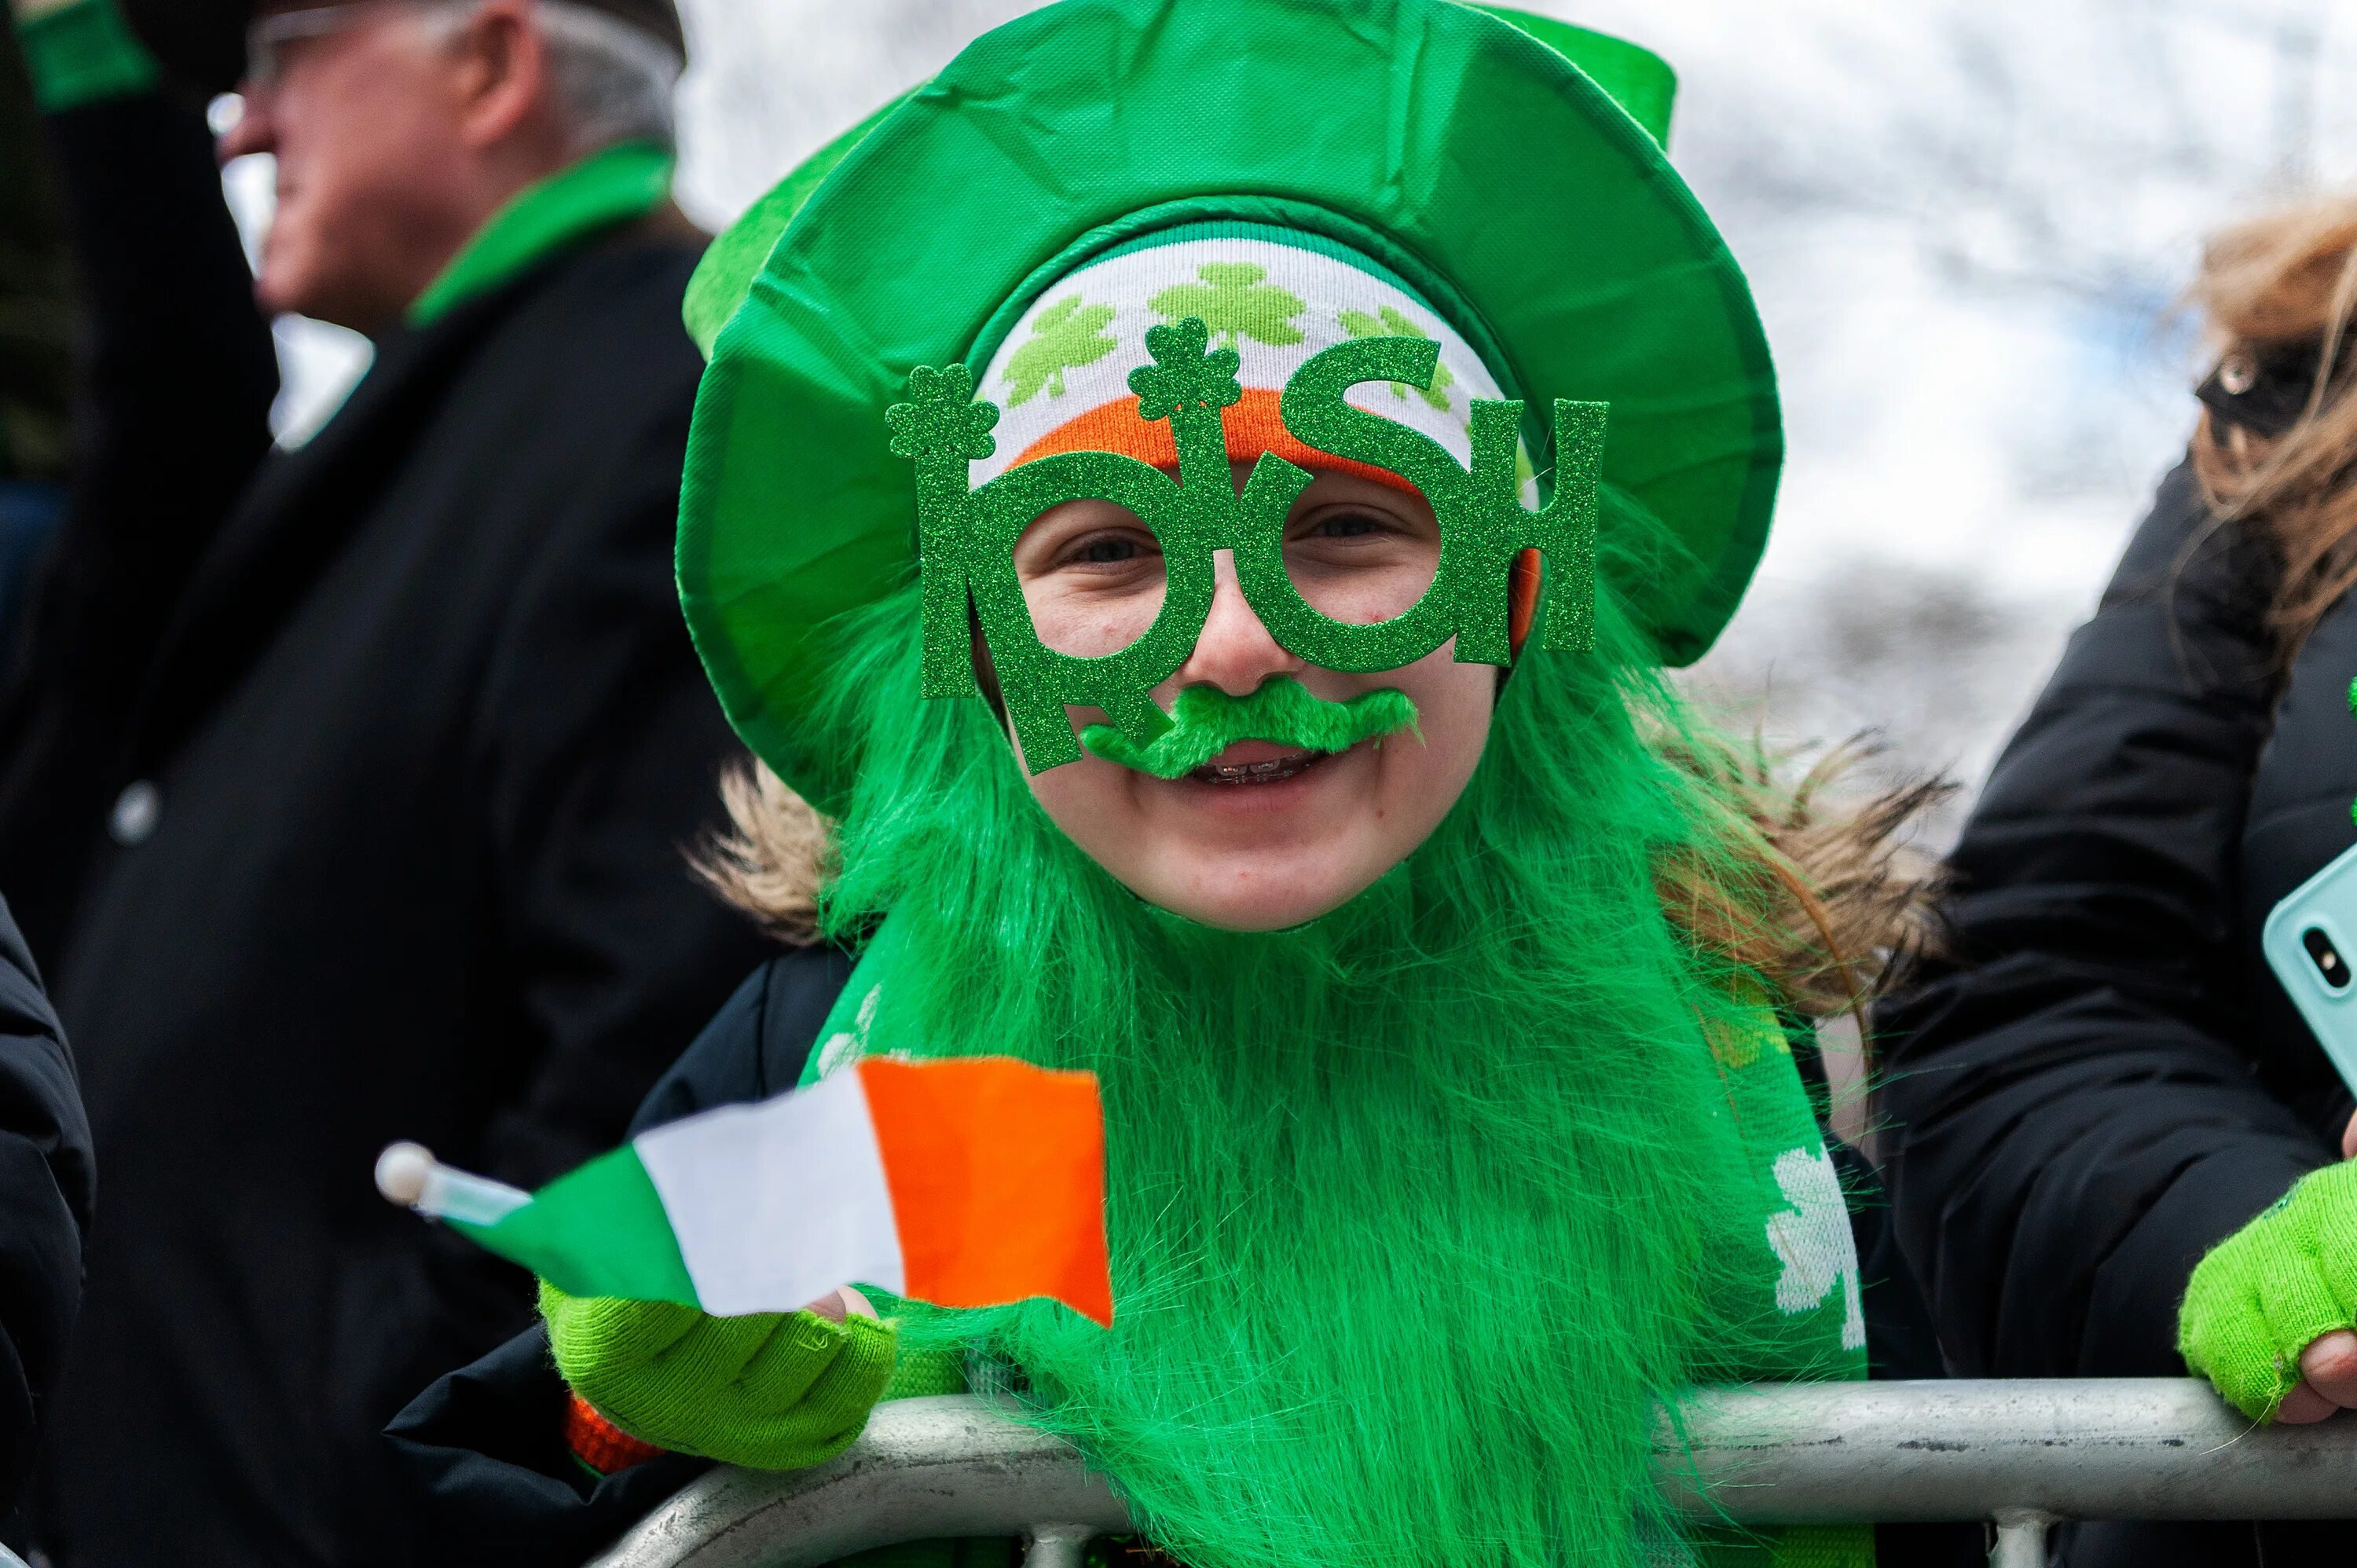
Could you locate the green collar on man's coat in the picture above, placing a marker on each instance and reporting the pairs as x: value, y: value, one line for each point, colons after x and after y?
x: 615, y: 185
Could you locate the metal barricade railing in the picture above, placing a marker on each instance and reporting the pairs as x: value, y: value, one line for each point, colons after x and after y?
x: 2021, y: 1453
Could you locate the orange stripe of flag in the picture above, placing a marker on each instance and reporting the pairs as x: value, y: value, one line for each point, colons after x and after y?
x: 996, y: 1171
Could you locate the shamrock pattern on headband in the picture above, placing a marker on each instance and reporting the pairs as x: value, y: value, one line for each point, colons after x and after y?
x: 1067, y: 336
x: 1231, y: 301
x: 1277, y: 303
x: 1389, y: 322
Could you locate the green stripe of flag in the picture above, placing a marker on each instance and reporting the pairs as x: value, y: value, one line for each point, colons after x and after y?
x: 597, y: 1230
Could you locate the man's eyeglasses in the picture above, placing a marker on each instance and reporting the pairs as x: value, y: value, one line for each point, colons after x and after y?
x: 267, y: 39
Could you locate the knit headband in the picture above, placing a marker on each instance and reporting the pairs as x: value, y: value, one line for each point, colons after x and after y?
x: 1277, y: 297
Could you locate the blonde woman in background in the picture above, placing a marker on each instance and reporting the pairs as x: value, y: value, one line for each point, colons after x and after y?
x: 2117, y: 1146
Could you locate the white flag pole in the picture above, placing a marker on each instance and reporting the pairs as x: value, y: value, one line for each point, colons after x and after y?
x: 409, y: 1174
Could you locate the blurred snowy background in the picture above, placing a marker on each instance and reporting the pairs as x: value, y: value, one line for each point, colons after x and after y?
x: 1967, y: 224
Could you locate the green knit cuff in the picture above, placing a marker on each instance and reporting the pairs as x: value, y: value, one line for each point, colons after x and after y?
x: 922, y: 1373
x: 84, y: 53
x: 2267, y: 1292
x: 772, y: 1392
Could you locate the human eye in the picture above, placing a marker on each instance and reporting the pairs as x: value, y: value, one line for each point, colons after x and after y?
x: 1090, y: 543
x: 1347, y: 527
x: 1110, y: 553
x: 1093, y: 579
x: 1344, y: 525
x: 1102, y: 550
x: 1360, y: 559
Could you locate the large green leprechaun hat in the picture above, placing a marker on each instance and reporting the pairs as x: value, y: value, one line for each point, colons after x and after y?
x: 1464, y: 153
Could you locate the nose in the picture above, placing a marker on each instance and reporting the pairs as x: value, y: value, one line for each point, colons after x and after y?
x: 1235, y: 651
x: 252, y: 134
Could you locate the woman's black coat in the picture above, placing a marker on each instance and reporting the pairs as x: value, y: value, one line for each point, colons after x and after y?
x: 2102, y: 1079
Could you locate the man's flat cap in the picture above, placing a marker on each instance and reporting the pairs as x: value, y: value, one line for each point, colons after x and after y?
x: 659, y: 17
x: 201, y: 43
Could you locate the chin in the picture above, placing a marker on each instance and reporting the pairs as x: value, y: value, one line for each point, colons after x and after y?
x: 281, y: 290
x: 300, y: 278
x: 1253, y: 900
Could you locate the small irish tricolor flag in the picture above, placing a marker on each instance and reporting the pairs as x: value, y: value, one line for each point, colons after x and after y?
x: 964, y: 1183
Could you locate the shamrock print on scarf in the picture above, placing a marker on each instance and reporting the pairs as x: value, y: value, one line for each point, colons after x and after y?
x: 1813, y: 1238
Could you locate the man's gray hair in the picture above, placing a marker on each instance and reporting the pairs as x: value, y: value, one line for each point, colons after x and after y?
x: 612, y: 81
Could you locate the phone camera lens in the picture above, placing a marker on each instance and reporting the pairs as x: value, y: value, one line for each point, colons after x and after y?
x: 2327, y: 958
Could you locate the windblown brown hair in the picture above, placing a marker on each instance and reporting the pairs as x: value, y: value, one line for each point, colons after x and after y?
x: 1839, y: 894
x: 1830, y: 896
x: 775, y: 857
x: 2289, y: 278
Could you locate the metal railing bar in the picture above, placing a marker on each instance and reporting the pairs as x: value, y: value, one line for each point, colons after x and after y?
x: 2020, y: 1453
x: 2070, y: 1448
x: 924, y: 1469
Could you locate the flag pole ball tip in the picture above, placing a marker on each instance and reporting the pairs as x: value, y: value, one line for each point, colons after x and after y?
x: 402, y: 1170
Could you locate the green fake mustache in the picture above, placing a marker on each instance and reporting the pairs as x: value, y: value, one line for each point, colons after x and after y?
x: 1206, y: 721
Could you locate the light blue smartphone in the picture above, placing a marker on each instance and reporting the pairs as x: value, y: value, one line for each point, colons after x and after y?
x: 2311, y: 940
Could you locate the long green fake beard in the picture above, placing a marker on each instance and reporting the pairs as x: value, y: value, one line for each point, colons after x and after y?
x: 1402, y: 1206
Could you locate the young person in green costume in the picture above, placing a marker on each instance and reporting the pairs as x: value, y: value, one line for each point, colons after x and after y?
x: 1194, y: 528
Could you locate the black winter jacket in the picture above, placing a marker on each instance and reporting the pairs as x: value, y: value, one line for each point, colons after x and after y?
x: 2102, y: 1079
x: 486, y: 1444
x: 408, y: 740
x: 45, y: 1194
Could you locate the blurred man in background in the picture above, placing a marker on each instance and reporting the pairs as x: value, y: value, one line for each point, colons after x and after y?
x: 347, y: 786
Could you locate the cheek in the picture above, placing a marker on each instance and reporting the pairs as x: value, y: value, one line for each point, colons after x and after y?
x: 1089, y: 799
x: 1097, y: 808
x: 1454, y: 704
x: 352, y: 141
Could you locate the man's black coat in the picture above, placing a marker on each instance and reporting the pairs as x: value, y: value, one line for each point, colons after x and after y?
x: 45, y: 1193
x: 424, y: 740
x: 2102, y: 1079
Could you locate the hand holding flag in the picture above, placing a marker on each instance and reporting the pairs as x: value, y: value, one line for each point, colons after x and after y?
x: 969, y: 1182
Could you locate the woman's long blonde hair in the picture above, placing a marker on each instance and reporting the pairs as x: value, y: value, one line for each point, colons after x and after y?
x: 2286, y: 279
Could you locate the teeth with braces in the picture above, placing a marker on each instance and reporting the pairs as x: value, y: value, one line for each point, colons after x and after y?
x: 1273, y: 770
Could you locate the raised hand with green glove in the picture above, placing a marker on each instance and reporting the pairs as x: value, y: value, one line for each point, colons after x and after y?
x: 2268, y: 1314
x: 772, y: 1392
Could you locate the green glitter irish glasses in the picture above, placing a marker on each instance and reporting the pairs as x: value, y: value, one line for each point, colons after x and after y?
x: 965, y: 537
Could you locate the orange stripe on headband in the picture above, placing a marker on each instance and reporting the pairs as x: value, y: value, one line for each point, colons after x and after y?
x: 1254, y: 427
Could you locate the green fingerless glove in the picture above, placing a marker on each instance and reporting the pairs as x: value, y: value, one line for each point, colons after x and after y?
x: 80, y: 51
x: 772, y: 1392
x: 2269, y: 1290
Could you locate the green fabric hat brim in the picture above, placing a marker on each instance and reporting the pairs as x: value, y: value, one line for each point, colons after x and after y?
x: 724, y: 277
x: 1474, y: 158
x: 1632, y: 76
x: 1635, y: 78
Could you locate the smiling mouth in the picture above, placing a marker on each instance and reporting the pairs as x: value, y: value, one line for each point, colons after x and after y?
x: 1271, y: 770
